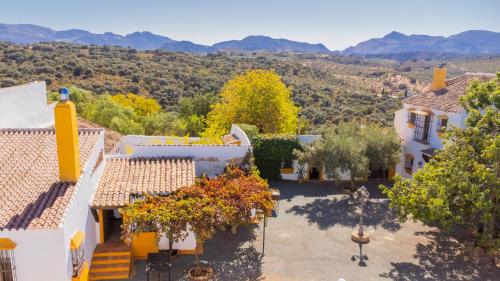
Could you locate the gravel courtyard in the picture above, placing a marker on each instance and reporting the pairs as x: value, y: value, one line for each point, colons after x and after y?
x: 310, y: 240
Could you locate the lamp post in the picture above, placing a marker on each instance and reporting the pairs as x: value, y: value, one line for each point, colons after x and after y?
x: 362, y: 195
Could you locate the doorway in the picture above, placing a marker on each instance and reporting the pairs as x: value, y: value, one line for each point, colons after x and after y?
x: 314, y: 173
x: 378, y: 174
x: 112, y: 225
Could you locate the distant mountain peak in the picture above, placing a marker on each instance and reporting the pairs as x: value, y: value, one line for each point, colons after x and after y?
x: 395, y: 36
x: 467, y: 42
x: 266, y: 43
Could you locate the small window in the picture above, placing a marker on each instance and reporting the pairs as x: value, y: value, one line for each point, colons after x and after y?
x: 77, y: 253
x: 442, y: 124
x: 7, y: 266
x: 288, y: 164
x: 411, y: 118
x: 409, y: 163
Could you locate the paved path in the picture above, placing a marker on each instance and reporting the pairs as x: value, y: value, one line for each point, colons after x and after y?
x: 310, y: 240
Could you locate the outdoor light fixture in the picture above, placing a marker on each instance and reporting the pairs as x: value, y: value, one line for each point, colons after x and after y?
x: 64, y: 94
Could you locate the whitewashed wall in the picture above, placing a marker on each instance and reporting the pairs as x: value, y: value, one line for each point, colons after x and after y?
x: 409, y: 146
x: 78, y: 216
x: 39, y: 255
x: 25, y: 106
x: 209, y: 159
x: 189, y: 243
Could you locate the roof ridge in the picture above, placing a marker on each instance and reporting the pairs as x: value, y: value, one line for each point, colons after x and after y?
x: 43, y: 130
x: 126, y: 158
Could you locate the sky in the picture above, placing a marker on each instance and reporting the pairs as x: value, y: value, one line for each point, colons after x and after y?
x: 336, y: 24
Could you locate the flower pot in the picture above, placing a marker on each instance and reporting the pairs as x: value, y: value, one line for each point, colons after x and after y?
x: 204, y: 274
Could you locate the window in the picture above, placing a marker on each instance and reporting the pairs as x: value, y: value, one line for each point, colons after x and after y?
x: 422, y: 126
x: 288, y: 164
x: 77, y: 253
x: 411, y: 118
x: 7, y: 266
x: 287, y: 167
x: 442, y: 124
x: 409, y: 163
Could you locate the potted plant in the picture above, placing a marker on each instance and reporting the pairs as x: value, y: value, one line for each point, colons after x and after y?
x: 301, y: 173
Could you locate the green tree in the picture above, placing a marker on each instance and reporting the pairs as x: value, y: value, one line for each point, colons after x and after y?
x: 199, y: 105
x: 106, y: 112
x: 257, y: 97
x: 352, y: 148
x: 460, y: 186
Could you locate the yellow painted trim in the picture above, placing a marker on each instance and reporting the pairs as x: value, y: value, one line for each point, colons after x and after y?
x: 77, y: 240
x: 84, y: 273
x: 68, y: 147
x: 143, y: 244
x: 392, y: 173
x: 7, y: 244
x: 409, y: 155
x: 287, y: 170
x: 101, y: 225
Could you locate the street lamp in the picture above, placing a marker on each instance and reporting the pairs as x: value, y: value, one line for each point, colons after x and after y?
x: 362, y: 195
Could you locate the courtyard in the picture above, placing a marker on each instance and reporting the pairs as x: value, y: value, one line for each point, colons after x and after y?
x: 310, y: 240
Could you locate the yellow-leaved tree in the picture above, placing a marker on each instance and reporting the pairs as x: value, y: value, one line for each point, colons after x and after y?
x: 141, y: 105
x: 257, y: 97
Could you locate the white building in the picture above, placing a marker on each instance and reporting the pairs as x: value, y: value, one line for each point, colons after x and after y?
x: 26, y: 106
x: 43, y: 217
x: 424, y: 118
x: 60, y: 194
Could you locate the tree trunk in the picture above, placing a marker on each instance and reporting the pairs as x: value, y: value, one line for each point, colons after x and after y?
x: 169, y: 259
x: 198, y: 268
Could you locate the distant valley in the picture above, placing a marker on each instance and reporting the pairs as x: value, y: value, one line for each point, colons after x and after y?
x: 395, y: 45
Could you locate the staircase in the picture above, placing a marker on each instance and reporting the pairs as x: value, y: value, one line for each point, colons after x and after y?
x: 110, y: 261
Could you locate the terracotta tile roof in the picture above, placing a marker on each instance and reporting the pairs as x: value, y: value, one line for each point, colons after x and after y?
x: 111, y: 138
x: 125, y: 176
x: 31, y: 195
x: 447, y: 99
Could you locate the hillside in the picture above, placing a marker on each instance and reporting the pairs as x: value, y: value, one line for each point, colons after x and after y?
x: 328, y: 88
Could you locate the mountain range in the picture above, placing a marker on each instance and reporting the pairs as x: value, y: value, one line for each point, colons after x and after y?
x: 468, y: 42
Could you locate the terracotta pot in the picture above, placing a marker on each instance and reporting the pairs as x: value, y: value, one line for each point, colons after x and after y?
x: 207, y: 270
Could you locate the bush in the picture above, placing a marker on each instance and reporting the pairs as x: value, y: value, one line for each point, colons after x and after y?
x: 270, y: 151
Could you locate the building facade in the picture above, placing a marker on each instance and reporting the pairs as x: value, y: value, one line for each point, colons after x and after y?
x: 61, y: 193
x: 422, y: 122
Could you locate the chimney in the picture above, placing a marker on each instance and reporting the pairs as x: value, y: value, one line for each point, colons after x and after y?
x: 439, y: 78
x: 68, y: 146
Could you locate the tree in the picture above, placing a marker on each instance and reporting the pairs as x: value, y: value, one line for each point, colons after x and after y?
x: 241, y: 194
x: 204, y: 215
x: 257, y: 97
x: 199, y: 105
x: 460, y: 186
x: 162, y: 215
x: 141, y: 105
x: 352, y: 148
x: 108, y: 113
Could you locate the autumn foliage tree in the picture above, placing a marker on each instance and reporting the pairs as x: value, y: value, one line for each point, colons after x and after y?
x: 233, y: 198
x: 257, y: 97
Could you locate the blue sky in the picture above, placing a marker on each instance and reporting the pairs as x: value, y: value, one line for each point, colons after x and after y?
x: 337, y: 24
